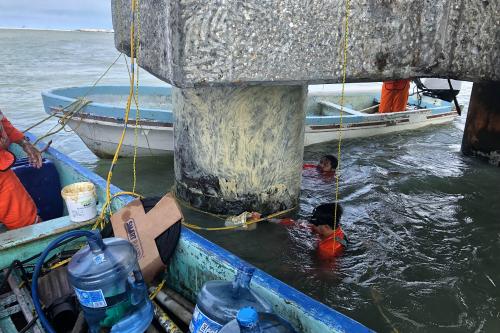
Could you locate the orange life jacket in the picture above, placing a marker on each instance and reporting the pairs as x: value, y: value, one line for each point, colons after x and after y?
x: 8, y: 134
x: 333, y: 245
x: 17, y: 208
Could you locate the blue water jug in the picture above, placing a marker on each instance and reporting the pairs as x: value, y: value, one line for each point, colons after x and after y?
x: 219, y: 301
x: 109, y: 285
x: 249, y: 321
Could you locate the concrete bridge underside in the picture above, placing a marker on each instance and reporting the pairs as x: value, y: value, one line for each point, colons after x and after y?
x: 206, y: 48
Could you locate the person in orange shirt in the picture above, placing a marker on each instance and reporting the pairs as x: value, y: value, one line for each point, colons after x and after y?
x: 17, y: 208
x: 394, y: 96
x: 332, y: 240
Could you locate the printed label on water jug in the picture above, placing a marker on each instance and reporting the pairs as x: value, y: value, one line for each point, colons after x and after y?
x: 91, y: 298
x: 202, y: 324
x: 99, y: 259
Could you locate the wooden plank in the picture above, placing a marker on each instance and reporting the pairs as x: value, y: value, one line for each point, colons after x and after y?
x: 24, y: 301
x: 7, y: 299
x: 7, y: 312
x: 339, y: 107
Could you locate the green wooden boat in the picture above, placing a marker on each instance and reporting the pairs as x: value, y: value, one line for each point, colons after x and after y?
x: 195, y: 261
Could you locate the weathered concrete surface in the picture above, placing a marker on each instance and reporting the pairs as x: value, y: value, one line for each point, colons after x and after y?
x: 482, y: 128
x: 239, y: 148
x: 200, y: 42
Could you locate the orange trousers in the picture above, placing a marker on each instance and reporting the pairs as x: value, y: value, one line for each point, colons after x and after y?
x: 394, y: 97
x: 17, y: 208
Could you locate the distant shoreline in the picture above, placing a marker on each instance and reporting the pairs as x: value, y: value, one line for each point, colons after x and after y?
x: 64, y: 30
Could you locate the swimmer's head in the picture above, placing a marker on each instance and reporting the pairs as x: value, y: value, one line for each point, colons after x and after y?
x: 323, y: 218
x: 328, y: 163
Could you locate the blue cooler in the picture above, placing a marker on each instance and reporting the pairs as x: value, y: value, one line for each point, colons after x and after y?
x: 43, y: 185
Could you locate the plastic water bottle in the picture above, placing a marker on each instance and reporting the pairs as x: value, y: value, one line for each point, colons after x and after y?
x: 109, y: 285
x: 219, y: 301
x: 249, y: 321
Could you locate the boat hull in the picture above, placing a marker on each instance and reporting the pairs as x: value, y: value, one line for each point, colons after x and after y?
x: 319, y: 134
x: 102, y: 138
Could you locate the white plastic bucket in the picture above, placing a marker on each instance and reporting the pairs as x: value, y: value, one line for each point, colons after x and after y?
x: 81, y: 201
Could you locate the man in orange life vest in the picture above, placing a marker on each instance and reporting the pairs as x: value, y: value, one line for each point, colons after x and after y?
x: 333, y: 241
x: 17, y: 208
x: 394, y: 96
x: 332, y: 238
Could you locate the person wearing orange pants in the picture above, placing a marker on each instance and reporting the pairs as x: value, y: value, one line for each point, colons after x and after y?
x: 394, y: 96
x: 17, y: 208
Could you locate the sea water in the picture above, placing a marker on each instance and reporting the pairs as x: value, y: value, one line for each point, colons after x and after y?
x: 423, y: 220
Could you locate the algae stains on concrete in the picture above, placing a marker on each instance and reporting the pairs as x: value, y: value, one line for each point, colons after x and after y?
x: 239, y: 148
x: 482, y: 128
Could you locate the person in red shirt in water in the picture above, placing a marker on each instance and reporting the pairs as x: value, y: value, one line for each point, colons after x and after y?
x: 17, y: 208
x: 326, y: 168
x: 332, y: 240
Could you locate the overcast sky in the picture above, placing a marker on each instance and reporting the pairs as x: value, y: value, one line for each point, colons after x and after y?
x: 56, y: 14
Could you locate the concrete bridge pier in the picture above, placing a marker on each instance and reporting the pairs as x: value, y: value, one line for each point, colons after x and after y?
x: 482, y: 128
x: 240, y: 67
x: 239, y: 148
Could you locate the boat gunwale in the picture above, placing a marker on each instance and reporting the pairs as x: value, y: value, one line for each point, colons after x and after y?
x: 105, y: 120
x: 309, y: 119
x: 378, y: 117
x: 290, y: 295
x: 52, y: 93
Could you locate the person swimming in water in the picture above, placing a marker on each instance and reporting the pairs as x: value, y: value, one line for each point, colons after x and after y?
x: 326, y: 168
x: 332, y: 240
x: 328, y: 164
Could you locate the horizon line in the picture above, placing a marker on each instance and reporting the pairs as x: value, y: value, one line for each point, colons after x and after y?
x: 63, y: 30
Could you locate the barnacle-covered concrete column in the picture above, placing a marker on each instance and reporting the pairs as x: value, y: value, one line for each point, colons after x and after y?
x: 239, y: 148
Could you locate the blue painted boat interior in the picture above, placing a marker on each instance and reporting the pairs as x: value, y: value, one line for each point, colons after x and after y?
x: 109, y: 101
x: 24, y: 242
x: 198, y: 260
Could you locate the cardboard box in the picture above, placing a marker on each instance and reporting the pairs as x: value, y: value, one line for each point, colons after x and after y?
x: 141, y: 229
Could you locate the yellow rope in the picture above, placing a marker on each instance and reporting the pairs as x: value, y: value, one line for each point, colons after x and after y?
x: 77, y: 106
x: 344, y: 70
x: 136, y: 99
x: 231, y: 227
x: 158, y: 289
x: 221, y: 217
x: 129, y: 102
x: 59, y: 264
x: 107, y: 204
x: 189, y: 206
x: 82, y: 97
x: 101, y: 221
